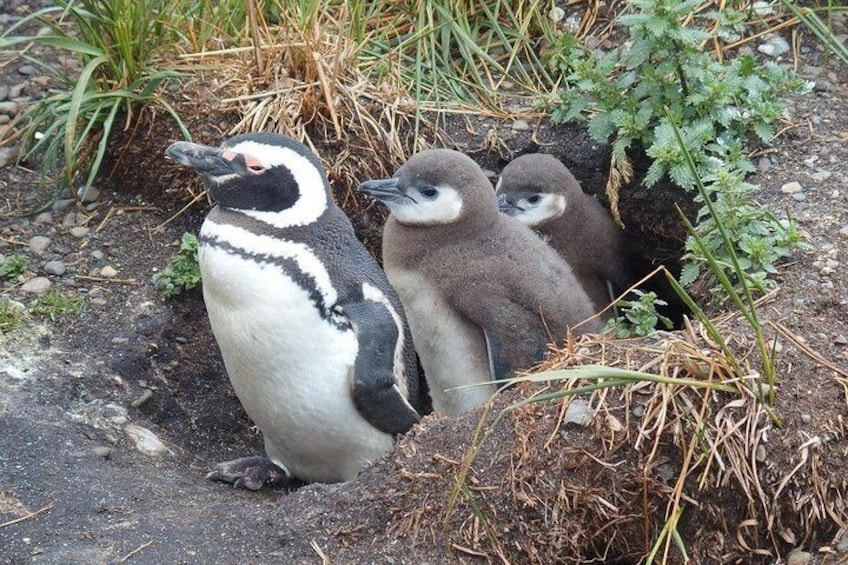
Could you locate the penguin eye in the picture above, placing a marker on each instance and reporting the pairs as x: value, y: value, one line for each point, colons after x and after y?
x: 255, y: 169
x: 534, y: 199
x: 429, y: 192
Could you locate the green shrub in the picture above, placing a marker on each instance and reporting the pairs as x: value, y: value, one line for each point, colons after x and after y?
x: 55, y: 305
x: 183, y: 270
x: 640, y: 316
x: 12, y: 267
x: 661, y: 79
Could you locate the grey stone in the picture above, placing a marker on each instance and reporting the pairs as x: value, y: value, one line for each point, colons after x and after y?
x: 9, y: 108
x: 37, y: 285
x: 800, y: 197
x: 28, y: 70
x: 775, y: 46
x: 79, y: 232
x: 108, y: 272
x: 63, y: 204
x: 806, y: 418
x: 146, y: 441
x: 17, y: 90
x: 793, y: 187
x: 98, y: 254
x: 764, y: 164
x: 798, y: 557
x: 43, y: 218
x: 4, y: 92
x: 520, y: 125
x: 7, y: 155
x: 88, y: 194
x: 38, y: 244
x: 55, y: 268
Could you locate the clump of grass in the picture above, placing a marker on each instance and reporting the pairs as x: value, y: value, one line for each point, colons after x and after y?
x: 662, y: 79
x: 183, y: 270
x: 12, y: 315
x: 116, y: 41
x: 12, y: 267
x: 56, y: 306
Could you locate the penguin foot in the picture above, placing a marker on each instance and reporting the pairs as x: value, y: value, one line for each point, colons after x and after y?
x: 250, y: 473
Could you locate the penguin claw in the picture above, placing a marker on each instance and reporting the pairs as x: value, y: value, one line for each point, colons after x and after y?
x: 250, y: 473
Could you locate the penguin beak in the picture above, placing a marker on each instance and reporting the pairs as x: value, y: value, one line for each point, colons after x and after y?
x: 507, y: 206
x: 382, y: 189
x: 208, y: 161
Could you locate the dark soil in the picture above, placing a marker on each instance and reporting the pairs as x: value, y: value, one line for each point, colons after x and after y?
x: 74, y: 487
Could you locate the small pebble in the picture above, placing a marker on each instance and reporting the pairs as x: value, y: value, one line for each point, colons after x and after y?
x: 79, y: 231
x: 102, y: 451
x: 520, y: 125
x: 760, y: 453
x: 799, y: 197
x: 4, y: 92
x: 37, y: 285
x: 774, y: 47
x: 842, y: 544
x: 143, y: 399
x: 17, y: 90
x: 38, y: 244
x: 844, y: 232
x: 62, y: 205
x: 798, y: 557
x: 43, y: 218
x: 28, y: 70
x: 98, y: 255
x: 55, y: 268
x: 108, y: 272
x: 806, y: 418
x: 10, y: 108
x: 831, y: 263
x: 88, y: 194
x: 764, y: 164
x: 146, y: 441
x: 793, y: 187
x: 7, y: 155
x: 840, y: 340
x: 578, y: 412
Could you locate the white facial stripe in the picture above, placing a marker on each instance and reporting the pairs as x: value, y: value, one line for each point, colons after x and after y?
x: 444, y: 209
x: 374, y: 294
x: 550, y: 206
x: 275, y: 248
x: 309, y: 179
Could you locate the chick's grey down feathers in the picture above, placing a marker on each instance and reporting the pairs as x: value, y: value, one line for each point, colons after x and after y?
x: 515, y: 293
x: 584, y: 234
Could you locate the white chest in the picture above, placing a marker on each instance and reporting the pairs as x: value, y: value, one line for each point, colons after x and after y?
x: 452, y: 349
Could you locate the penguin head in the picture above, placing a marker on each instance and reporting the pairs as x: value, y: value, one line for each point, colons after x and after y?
x: 436, y: 186
x: 260, y: 173
x: 536, y: 188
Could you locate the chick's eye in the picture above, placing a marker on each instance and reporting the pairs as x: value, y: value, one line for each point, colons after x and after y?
x: 534, y: 199
x: 429, y: 192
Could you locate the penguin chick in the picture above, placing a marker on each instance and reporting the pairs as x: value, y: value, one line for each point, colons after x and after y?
x: 484, y: 295
x: 538, y: 190
x: 313, y: 338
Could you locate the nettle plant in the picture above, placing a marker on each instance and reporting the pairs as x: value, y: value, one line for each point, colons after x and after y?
x: 661, y: 78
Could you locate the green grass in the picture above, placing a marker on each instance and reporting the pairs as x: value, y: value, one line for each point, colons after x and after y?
x: 116, y: 42
x: 12, y: 267
x: 57, y: 306
x: 12, y: 315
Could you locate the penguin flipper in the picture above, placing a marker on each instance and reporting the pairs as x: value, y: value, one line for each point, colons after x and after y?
x: 374, y: 390
x: 250, y: 473
x: 498, y: 367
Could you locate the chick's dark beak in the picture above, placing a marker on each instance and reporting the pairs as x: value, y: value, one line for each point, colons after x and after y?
x: 385, y: 190
x: 507, y: 205
x: 208, y: 161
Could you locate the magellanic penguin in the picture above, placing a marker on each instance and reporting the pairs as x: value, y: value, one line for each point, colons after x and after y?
x: 484, y: 295
x: 313, y: 337
x: 540, y: 191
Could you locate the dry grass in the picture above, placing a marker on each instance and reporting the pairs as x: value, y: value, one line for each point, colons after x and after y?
x: 661, y: 470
